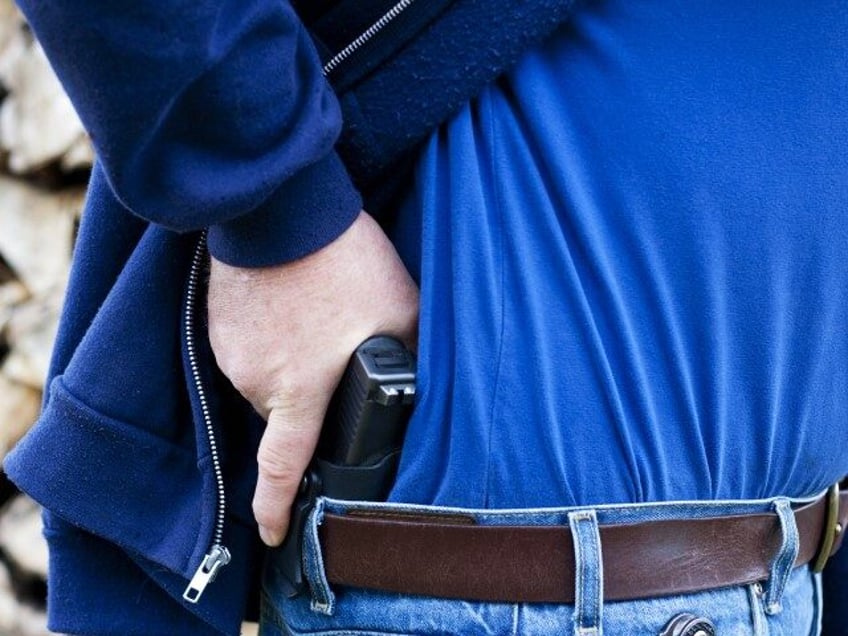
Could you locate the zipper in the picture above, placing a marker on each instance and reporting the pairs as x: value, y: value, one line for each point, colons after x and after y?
x: 366, y: 36
x: 218, y: 556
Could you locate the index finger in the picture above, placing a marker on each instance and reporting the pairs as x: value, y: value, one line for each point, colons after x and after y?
x: 284, y: 454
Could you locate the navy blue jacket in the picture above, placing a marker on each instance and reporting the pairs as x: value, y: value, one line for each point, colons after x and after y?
x: 210, y: 115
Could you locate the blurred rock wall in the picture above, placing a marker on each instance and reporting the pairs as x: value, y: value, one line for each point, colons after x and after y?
x: 44, y: 159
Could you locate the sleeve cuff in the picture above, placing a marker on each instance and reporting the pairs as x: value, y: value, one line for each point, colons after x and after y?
x: 307, y: 212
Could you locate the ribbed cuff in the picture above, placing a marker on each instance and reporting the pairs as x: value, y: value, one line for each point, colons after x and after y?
x: 307, y: 212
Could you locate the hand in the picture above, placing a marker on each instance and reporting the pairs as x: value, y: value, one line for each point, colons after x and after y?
x: 283, y: 336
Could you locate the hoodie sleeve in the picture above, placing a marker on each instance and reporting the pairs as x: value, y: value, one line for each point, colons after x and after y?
x: 207, y: 114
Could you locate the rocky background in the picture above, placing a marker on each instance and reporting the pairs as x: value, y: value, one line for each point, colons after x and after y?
x: 45, y: 156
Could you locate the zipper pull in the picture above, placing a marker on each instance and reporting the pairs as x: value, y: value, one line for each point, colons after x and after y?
x: 217, y: 557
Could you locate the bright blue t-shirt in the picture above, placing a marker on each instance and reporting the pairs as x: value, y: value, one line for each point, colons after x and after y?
x: 633, y: 264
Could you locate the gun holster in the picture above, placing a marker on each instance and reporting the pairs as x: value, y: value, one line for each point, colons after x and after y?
x: 358, y: 483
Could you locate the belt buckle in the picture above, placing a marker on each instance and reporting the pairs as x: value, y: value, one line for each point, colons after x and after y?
x: 831, y: 529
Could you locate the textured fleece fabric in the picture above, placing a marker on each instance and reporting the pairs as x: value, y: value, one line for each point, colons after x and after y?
x: 211, y: 114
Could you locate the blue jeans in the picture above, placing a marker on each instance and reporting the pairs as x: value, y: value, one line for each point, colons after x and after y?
x: 789, y: 603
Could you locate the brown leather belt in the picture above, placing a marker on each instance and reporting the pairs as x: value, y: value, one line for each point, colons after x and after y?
x: 451, y: 557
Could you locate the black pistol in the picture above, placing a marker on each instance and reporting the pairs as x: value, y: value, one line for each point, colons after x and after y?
x: 360, y: 443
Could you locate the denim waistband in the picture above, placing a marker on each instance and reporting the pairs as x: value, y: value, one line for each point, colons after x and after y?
x: 583, y: 522
x: 619, y: 513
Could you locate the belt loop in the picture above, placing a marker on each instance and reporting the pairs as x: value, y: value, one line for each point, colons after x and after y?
x: 323, y: 599
x: 589, y: 573
x: 781, y: 566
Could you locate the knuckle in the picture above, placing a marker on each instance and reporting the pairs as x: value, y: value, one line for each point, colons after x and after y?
x: 241, y: 378
x: 237, y: 369
x: 269, y: 514
x: 276, y: 469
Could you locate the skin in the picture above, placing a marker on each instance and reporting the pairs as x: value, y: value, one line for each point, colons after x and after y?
x: 283, y: 336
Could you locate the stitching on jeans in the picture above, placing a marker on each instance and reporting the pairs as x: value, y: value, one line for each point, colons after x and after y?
x: 582, y: 578
x: 415, y: 517
x: 755, y: 595
x: 693, y: 509
x: 594, y: 547
x: 596, y: 554
x: 581, y: 608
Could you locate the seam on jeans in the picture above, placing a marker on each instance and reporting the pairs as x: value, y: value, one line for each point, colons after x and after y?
x: 581, y: 580
x: 754, y: 607
x: 515, y: 612
x: 485, y: 101
x: 595, y: 549
x: 704, y: 508
x: 816, y: 627
x: 268, y: 611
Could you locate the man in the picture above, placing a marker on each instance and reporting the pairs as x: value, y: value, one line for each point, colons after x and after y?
x: 608, y: 245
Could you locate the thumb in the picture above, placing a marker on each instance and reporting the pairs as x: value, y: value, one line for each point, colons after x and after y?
x: 284, y: 454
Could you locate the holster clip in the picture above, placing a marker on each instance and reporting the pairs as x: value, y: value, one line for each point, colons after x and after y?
x: 290, y: 556
x: 364, y: 483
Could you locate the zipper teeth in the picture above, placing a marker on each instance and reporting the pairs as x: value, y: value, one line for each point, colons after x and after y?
x: 191, y: 347
x: 373, y: 30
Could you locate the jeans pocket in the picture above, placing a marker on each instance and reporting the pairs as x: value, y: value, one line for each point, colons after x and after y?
x: 801, y: 609
x: 292, y: 617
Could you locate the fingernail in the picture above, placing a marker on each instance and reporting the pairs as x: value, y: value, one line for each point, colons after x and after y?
x: 268, y: 537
